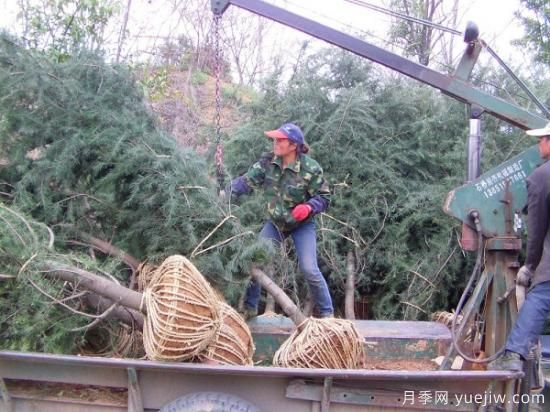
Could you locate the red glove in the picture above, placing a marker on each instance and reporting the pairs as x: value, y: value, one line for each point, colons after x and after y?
x: 301, y: 212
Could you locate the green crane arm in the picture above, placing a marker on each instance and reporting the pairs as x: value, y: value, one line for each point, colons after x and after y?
x: 456, y: 86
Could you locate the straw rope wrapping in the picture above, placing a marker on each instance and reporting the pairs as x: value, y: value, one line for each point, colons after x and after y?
x: 446, y: 318
x: 128, y: 343
x: 124, y: 342
x: 322, y: 343
x: 234, y: 345
x: 183, y: 315
x: 144, y: 273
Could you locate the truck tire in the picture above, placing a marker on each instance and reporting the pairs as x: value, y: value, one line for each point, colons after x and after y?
x: 209, y: 402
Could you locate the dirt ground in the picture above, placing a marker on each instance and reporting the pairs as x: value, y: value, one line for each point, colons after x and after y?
x: 401, y: 364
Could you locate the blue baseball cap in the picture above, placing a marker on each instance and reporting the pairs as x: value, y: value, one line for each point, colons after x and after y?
x: 287, y: 131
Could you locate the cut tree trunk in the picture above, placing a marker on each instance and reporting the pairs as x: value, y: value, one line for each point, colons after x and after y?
x: 270, y: 300
x: 269, y: 304
x: 133, y: 300
x: 282, y: 299
x: 126, y: 315
x: 349, y: 297
x: 89, y: 281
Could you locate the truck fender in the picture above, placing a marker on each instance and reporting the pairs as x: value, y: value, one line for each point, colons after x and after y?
x: 209, y: 402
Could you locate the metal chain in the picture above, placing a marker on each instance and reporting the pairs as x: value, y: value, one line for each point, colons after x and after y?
x: 217, y: 120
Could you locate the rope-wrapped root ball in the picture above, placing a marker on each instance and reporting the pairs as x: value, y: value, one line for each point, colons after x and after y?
x: 234, y: 345
x: 144, y: 274
x: 128, y: 343
x: 183, y: 315
x: 322, y: 343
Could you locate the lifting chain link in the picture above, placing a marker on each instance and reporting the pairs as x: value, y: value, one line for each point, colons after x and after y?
x: 217, y: 120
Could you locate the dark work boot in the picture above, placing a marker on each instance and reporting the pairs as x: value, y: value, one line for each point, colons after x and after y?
x: 509, y: 361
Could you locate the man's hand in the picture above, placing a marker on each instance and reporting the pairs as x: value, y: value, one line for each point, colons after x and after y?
x: 301, y: 212
x: 523, y: 278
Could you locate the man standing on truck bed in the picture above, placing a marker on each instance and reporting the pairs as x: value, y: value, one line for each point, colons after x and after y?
x: 536, y: 270
x: 295, y: 191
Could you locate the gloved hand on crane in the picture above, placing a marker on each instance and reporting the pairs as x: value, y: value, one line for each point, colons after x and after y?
x: 523, y: 278
x: 301, y: 212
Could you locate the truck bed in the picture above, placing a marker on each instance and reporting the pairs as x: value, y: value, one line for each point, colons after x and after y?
x: 148, y: 385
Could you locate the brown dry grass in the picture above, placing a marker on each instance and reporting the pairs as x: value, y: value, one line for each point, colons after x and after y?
x: 184, y: 109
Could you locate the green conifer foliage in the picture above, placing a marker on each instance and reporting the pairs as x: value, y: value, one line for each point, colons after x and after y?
x: 29, y: 322
x: 535, y: 17
x: 391, y: 149
x: 86, y: 155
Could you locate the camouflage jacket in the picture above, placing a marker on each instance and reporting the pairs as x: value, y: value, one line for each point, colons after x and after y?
x: 300, y: 182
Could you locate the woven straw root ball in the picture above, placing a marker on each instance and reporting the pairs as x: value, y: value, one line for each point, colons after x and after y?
x: 234, y: 345
x: 322, y: 343
x: 128, y: 343
x: 144, y: 274
x: 183, y: 315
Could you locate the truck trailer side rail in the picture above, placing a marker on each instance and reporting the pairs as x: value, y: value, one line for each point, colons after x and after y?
x: 152, y: 384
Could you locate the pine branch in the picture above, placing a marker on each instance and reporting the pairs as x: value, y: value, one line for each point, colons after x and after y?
x: 107, y: 248
x: 126, y: 315
x: 98, y: 319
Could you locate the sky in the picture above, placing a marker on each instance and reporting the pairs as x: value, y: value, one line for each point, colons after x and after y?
x: 495, y: 19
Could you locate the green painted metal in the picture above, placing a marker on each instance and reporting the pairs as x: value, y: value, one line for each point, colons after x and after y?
x: 383, y: 339
x: 468, y: 61
x: 503, y: 243
x: 269, y: 333
x: 219, y: 6
x: 487, y: 194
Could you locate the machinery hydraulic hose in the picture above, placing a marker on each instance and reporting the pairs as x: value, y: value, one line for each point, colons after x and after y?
x: 473, y: 278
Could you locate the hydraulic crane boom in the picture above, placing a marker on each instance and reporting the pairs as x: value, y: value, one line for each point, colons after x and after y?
x: 456, y: 86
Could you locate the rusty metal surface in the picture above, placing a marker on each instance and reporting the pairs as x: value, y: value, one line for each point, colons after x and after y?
x: 383, y: 339
x: 162, y: 382
x: 47, y: 405
x: 30, y: 395
x: 35, y: 360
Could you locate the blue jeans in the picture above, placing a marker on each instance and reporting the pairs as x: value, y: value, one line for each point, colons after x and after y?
x: 305, y: 242
x: 530, y: 321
